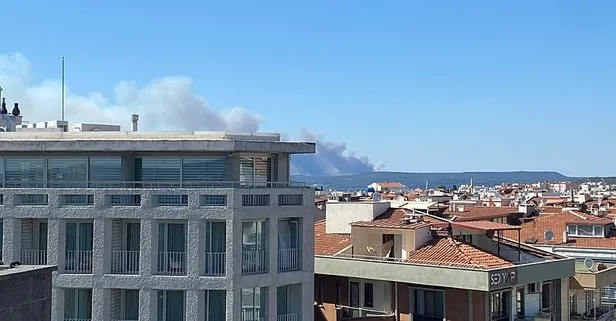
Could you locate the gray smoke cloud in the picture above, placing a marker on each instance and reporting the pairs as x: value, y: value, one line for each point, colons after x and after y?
x: 330, y: 159
x: 162, y: 105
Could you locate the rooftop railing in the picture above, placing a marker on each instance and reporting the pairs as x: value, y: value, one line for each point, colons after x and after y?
x: 149, y: 184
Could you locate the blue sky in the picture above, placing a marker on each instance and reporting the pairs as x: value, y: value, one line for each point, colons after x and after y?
x: 416, y: 85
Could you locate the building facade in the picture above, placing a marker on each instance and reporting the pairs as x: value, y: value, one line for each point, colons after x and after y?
x: 160, y: 226
x: 25, y: 292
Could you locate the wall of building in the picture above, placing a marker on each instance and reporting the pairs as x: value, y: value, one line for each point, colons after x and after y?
x: 340, y: 215
x: 26, y: 296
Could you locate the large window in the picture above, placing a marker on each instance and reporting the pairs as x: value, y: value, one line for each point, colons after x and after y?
x: 157, y: 169
x: 585, y: 230
x: 78, y: 304
x: 499, y: 305
x: 254, y: 304
x: 215, y: 301
x: 204, y: 169
x: 105, y: 169
x: 25, y: 172
x: 428, y: 304
x: 255, y: 170
x: 171, y: 306
x: 67, y: 172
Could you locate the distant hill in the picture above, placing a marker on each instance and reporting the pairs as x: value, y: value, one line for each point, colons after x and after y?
x: 413, y: 180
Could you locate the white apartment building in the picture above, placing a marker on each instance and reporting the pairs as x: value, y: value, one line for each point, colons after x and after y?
x: 160, y: 226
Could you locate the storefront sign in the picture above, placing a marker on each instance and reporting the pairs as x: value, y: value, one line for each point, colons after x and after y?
x: 503, y: 278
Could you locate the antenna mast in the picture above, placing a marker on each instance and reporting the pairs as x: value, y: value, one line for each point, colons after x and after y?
x: 62, y: 88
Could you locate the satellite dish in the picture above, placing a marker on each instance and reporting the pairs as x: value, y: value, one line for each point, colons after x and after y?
x: 377, y: 197
x: 548, y: 235
x: 589, y: 263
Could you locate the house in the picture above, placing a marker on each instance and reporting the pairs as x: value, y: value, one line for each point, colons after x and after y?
x: 376, y: 262
x: 394, y: 187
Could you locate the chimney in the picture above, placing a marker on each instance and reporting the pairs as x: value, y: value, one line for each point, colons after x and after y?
x: 3, y: 111
x: 16, y: 111
x: 135, y: 120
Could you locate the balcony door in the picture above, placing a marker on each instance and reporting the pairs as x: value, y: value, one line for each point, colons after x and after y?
x: 79, y: 247
x: 288, y: 245
x: 172, y: 248
x: 215, y: 248
x: 78, y: 304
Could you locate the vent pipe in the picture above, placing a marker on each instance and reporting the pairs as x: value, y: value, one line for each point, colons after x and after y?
x: 135, y: 120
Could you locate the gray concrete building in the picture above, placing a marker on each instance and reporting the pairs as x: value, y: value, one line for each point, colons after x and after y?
x: 160, y: 226
x: 25, y: 292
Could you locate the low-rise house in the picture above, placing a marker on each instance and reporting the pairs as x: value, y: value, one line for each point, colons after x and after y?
x: 394, y: 187
x: 375, y: 262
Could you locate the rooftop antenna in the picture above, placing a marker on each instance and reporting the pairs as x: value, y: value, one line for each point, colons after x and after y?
x: 62, y: 88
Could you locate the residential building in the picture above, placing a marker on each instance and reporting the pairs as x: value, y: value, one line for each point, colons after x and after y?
x: 393, y: 187
x: 160, y: 226
x: 590, y: 238
x: 377, y: 262
x: 25, y: 292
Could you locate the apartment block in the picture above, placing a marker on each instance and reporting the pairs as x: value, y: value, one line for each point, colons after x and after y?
x: 160, y: 226
x: 378, y: 261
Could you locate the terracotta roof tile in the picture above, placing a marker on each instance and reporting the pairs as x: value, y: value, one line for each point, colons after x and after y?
x: 478, y: 213
x: 329, y: 244
x: 557, y: 223
x: 390, y: 184
x: 450, y: 252
x: 392, y: 218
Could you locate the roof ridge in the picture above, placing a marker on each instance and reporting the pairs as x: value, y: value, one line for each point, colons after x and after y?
x: 457, y: 243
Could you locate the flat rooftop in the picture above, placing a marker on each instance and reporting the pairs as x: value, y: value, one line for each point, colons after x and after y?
x: 111, y: 141
x: 7, y: 272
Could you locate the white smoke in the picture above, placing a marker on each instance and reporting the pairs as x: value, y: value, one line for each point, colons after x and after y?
x: 162, y: 104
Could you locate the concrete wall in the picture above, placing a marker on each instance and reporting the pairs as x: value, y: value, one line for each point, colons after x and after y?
x: 26, y: 296
x: 149, y: 214
x: 340, y: 214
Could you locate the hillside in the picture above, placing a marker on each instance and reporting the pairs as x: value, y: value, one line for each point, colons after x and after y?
x: 412, y: 180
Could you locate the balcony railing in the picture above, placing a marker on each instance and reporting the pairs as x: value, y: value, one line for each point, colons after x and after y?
x: 288, y: 317
x: 254, y: 262
x: 71, y: 319
x: 288, y: 260
x: 125, y: 262
x: 250, y: 314
x: 345, y: 312
x: 78, y: 261
x: 172, y: 263
x: 215, y: 263
x: 149, y: 184
x: 124, y: 320
x: 34, y: 257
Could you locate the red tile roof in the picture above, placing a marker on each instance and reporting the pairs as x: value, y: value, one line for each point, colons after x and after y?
x: 557, y: 223
x: 329, y: 244
x: 485, y: 226
x: 478, y: 213
x: 390, y: 184
x: 450, y: 252
x: 392, y: 218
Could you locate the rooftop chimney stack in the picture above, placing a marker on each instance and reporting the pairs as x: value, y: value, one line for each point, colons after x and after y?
x: 3, y: 111
x: 135, y: 120
x: 16, y: 111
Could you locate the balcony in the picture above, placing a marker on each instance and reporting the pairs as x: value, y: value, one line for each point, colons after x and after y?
x: 125, y: 262
x: 289, y: 260
x: 148, y: 184
x: 215, y: 263
x: 34, y: 257
x: 172, y: 263
x: 254, y: 262
x: 288, y: 317
x: 78, y: 261
x: 124, y: 305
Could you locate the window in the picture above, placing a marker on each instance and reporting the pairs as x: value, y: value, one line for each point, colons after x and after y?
x: 499, y: 305
x: 254, y: 245
x: 172, y: 248
x: 215, y: 248
x: 78, y: 304
x: 156, y: 169
x: 254, y: 304
x: 256, y: 170
x: 79, y: 243
x: 204, y: 169
x: 213, y: 200
x: 368, y: 295
x: 428, y: 303
x: 585, y: 230
x: 215, y: 301
x: 519, y: 302
x: 171, y: 306
x: 546, y: 295
x: 105, y: 169
x: 354, y: 298
x: 67, y: 172
x: 25, y: 172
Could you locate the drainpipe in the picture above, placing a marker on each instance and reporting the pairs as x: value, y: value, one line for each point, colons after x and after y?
x: 396, y: 312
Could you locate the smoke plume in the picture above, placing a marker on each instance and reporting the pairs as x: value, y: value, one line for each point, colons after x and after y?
x: 40, y: 102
